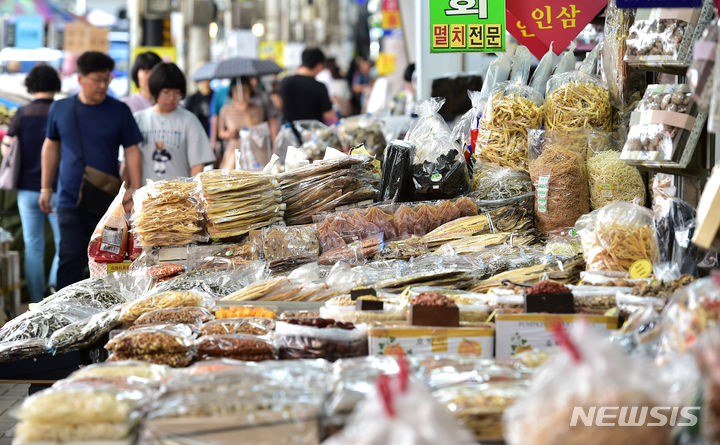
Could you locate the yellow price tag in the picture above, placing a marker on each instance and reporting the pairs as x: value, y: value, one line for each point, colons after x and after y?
x: 641, y: 269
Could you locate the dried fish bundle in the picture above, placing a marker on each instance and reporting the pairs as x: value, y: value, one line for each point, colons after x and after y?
x: 325, y: 185
x: 237, y: 201
x: 167, y: 213
x: 478, y: 243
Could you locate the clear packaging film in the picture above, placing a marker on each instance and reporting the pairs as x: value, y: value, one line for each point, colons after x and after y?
x: 511, y: 111
x: 310, y: 135
x: 363, y: 129
x: 559, y: 175
x: 288, y: 247
x: 309, y: 340
x: 159, y: 339
x: 258, y: 326
x: 109, y: 240
x: 520, y: 71
x: 566, y: 64
x: 692, y: 311
x: 165, y: 300
x: 465, y: 129
x: 130, y: 368
x: 236, y: 202
x: 492, y: 183
x: 254, y: 152
x: 543, y: 71
x: 181, y: 315
x: 167, y: 213
x: 576, y: 100
x: 325, y: 185
x: 664, y: 127
x: 610, y: 178
x: 616, y: 236
x: 235, y: 346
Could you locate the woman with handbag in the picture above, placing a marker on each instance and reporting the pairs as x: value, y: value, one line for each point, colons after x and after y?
x: 23, y: 145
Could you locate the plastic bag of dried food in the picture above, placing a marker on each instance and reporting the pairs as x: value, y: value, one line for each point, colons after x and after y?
x: 662, y: 127
x: 320, y: 338
x: 182, y: 315
x: 557, y: 169
x: 675, y: 226
x: 396, y: 180
x: 498, y: 71
x: 661, y: 35
x: 520, y: 71
x: 167, y: 213
x: 152, y: 340
x: 439, y: 172
x: 700, y: 73
x: 166, y: 300
x: 465, y: 130
x: 708, y: 358
x: 567, y: 61
x: 284, y: 243
x: 364, y: 129
x: 609, y: 178
x: 588, y: 372
x: 44, y: 322
x: 692, y: 311
x: 108, y: 243
x: 130, y: 368
x: 543, y: 71
x: 230, y: 326
x: 401, y: 410
x: 238, y: 346
x: 577, y: 100
x: 616, y: 236
x: 492, y: 183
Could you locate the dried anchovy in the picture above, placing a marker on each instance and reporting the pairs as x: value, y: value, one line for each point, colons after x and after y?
x: 85, y: 333
x: 42, y: 323
x: 99, y: 291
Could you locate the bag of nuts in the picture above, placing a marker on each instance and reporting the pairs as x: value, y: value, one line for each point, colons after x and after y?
x: 664, y: 128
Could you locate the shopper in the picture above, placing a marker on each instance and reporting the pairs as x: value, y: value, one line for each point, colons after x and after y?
x: 174, y: 142
x: 28, y: 125
x: 303, y: 97
x: 238, y: 113
x: 199, y: 104
x: 140, y: 73
x: 337, y: 87
x: 219, y: 97
x: 361, y: 83
x: 85, y: 130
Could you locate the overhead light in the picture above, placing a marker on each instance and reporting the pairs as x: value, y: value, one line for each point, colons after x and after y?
x: 258, y: 29
x: 213, y: 30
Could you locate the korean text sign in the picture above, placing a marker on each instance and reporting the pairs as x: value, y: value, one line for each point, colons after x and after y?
x: 467, y: 25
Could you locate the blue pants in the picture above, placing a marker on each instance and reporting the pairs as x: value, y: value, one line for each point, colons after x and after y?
x: 76, y: 227
x: 33, y: 226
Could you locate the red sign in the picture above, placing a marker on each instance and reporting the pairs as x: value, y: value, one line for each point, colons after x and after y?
x: 557, y: 21
x: 390, y: 5
x: 525, y: 37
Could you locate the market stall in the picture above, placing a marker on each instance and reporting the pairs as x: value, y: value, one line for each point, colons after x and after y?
x: 550, y: 268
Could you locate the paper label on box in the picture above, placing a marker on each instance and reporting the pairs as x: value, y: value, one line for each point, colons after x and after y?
x: 523, y: 332
x: 391, y: 341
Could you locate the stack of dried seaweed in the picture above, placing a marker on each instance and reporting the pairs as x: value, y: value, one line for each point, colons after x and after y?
x: 237, y: 202
x: 322, y: 186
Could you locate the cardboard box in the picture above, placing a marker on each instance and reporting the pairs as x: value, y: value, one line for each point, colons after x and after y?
x: 519, y: 332
x: 413, y: 340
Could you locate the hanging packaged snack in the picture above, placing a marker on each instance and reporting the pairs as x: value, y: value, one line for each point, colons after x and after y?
x: 664, y: 128
x: 108, y: 243
x: 236, y: 202
x: 700, y: 73
x: 439, y: 171
x: 167, y: 213
x: 502, y: 133
x: 396, y: 179
x: 618, y: 236
x: 609, y: 178
x: 557, y: 169
x: 364, y: 129
x: 664, y: 36
x: 577, y: 100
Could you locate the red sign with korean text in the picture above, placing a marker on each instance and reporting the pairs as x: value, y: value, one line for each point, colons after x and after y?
x: 557, y: 21
x: 521, y: 34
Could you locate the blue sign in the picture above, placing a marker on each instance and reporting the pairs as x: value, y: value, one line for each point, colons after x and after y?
x: 659, y: 4
x: 29, y: 32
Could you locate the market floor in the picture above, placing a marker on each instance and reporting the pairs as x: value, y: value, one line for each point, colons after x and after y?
x: 11, y: 395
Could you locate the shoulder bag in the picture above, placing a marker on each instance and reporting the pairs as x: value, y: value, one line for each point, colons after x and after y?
x: 97, y: 188
x: 10, y: 166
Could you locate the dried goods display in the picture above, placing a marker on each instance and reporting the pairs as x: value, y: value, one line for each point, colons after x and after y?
x: 152, y: 340
x: 310, y: 135
x: 236, y: 202
x: 665, y: 127
x: 246, y: 311
x: 611, y: 179
x: 616, y: 236
x: 165, y: 300
x: 491, y: 183
x: 122, y: 369
x: 363, y: 129
x: 557, y: 168
x: 320, y: 338
x: 172, y: 359
x: 167, y: 213
x: 286, y: 248
x: 324, y: 185
x: 502, y: 133
x: 181, y: 315
x: 259, y: 326
x: 577, y: 101
x: 396, y: 180
x: 109, y: 240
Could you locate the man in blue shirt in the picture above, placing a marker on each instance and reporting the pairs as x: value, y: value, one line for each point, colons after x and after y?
x: 105, y: 124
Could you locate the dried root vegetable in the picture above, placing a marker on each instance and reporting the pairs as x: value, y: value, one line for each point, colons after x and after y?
x: 502, y: 133
x: 576, y: 100
x: 611, y: 179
